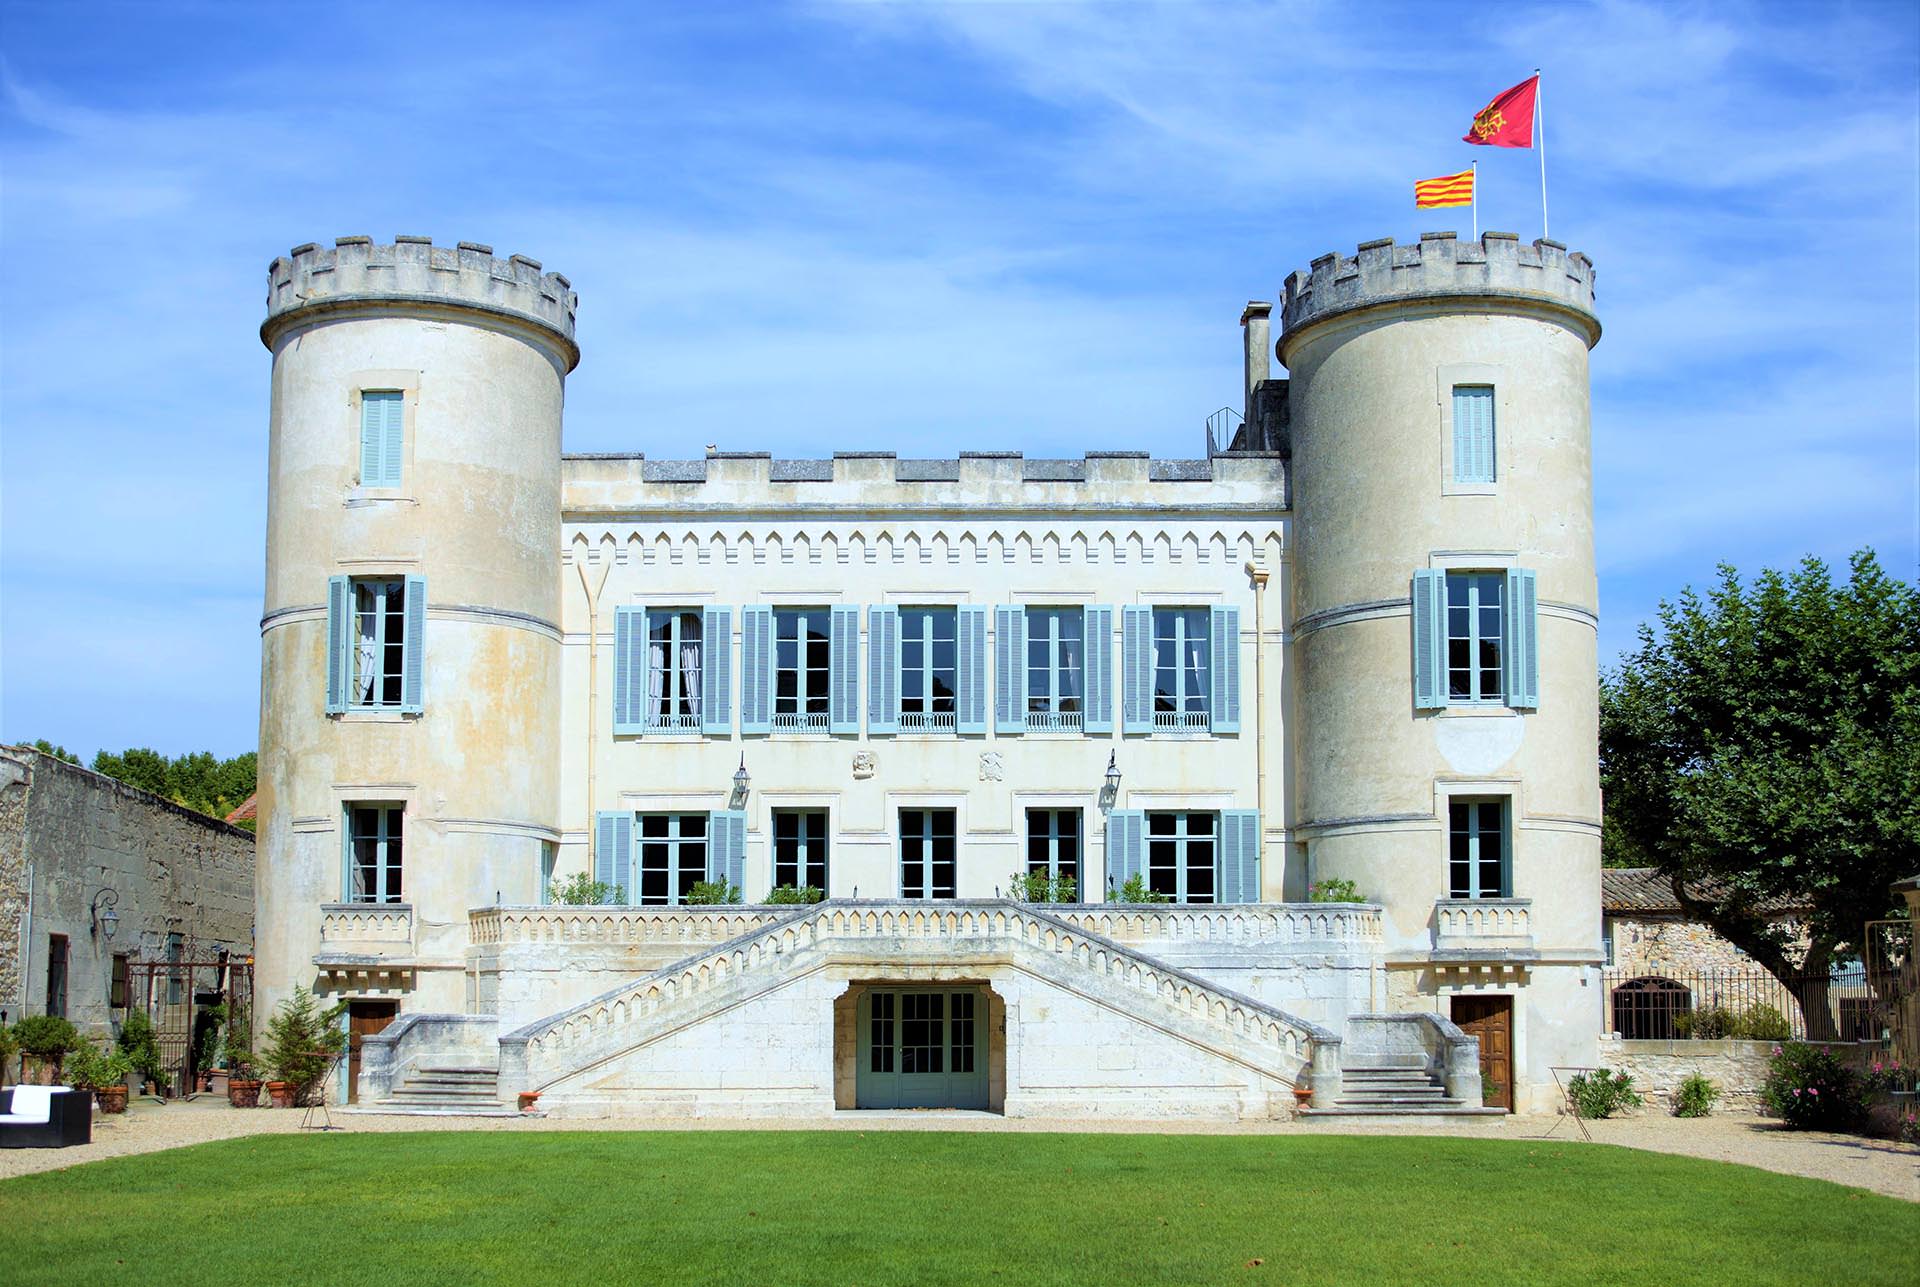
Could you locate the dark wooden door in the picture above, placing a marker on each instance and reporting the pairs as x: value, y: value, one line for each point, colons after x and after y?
x: 1491, y: 1020
x: 364, y: 1018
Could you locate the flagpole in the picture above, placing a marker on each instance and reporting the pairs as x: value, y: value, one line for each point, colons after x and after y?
x: 1540, y: 142
x: 1476, y: 201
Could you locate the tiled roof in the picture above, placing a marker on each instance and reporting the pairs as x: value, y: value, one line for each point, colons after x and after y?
x: 1648, y: 889
x: 248, y: 810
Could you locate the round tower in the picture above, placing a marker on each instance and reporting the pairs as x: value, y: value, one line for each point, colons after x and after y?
x: 1445, y: 620
x: 410, y: 654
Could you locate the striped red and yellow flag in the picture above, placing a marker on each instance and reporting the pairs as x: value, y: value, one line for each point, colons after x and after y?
x: 1447, y: 190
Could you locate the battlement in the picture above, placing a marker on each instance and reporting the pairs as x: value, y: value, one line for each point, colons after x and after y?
x: 1441, y: 267
x: 356, y: 274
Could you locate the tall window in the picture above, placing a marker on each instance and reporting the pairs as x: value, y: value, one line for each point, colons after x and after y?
x: 1053, y: 844
x: 117, y: 983
x: 927, y: 846
x: 549, y: 857
x: 802, y: 662
x: 57, y: 975
x: 381, y: 438
x: 1180, y: 856
x: 176, y: 977
x: 800, y: 848
x: 1473, y: 433
x: 379, y: 642
x: 1056, y: 640
x: 673, y: 856
x: 673, y: 669
x: 1473, y: 637
x: 1182, y: 667
x: 374, y: 843
x: 1477, y: 865
x: 928, y: 667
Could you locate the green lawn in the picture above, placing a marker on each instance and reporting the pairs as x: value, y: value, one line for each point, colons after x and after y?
x: 780, y: 1208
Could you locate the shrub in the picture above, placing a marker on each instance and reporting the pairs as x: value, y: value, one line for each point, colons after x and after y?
x: 1038, y: 887
x: 1602, y: 1093
x: 1333, y: 890
x: 1757, y: 1022
x: 1708, y: 1023
x: 582, y: 890
x: 89, y: 1069
x: 782, y: 895
x: 302, y: 1040
x: 1810, y: 1089
x: 1136, y: 891
x: 1763, y: 1023
x: 1695, y: 1096
x: 8, y: 1048
x: 237, y: 1042
x: 46, y: 1036
x: 141, y: 1047
x: 710, y: 893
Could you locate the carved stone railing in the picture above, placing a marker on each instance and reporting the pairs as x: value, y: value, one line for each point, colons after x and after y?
x: 560, y: 1045
x: 1468, y: 923
x: 366, y: 930
x: 691, y: 926
x: 1265, y: 923
x: 1436, y: 1045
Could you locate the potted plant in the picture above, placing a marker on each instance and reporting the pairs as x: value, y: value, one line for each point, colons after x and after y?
x: 302, y: 1040
x: 8, y: 1048
x: 45, y: 1039
x: 103, y: 1074
x: 142, y: 1049
x: 243, y: 1088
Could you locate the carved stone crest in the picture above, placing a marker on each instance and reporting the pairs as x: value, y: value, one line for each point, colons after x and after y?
x: 991, y: 768
x: 865, y: 764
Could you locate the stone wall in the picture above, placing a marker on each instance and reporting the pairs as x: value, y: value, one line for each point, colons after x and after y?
x: 173, y: 871
x: 1736, y: 1067
x: 1666, y: 945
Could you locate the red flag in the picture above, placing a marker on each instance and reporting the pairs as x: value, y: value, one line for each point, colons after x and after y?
x: 1508, y: 120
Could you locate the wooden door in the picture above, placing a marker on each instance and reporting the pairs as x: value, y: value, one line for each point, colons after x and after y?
x: 364, y: 1018
x: 1491, y: 1020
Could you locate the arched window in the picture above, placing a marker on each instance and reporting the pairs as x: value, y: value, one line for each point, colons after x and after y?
x: 1644, y: 1009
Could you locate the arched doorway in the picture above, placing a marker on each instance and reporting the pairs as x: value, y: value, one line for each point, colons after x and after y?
x: 1648, y: 1008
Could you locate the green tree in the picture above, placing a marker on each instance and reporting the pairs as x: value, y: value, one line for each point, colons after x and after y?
x: 45, y: 747
x: 198, y: 780
x: 1764, y: 743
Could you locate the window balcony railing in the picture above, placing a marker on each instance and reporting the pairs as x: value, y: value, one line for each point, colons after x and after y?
x: 926, y: 721
x: 1182, y: 721
x: 381, y: 931
x: 1054, y: 721
x: 673, y: 723
x: 792, y: 723
x: 1468, y: 925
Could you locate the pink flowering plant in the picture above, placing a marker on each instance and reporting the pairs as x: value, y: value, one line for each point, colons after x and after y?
x: 1809, y: 1089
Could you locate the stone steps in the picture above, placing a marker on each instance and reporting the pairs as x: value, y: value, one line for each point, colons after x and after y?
x: 1391, y: 1090
x: 447, y: 1091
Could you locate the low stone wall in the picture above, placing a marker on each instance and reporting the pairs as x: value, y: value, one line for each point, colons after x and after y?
x: 1736, y: 1067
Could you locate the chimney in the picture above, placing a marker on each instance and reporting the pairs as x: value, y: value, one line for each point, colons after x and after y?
x: 1255, y: 333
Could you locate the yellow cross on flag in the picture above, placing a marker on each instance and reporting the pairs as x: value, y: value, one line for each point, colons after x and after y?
x: 1447, y: 190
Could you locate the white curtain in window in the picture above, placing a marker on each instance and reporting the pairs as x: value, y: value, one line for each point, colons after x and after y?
x: 690, y: 675
x: 1070, y: 669
x: 656, y: 676
x: 1196, y: 674
x: 367, y: 647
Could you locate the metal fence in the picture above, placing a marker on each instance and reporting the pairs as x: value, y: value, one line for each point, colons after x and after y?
x: 1843, y: 1005
x: 179, y: 994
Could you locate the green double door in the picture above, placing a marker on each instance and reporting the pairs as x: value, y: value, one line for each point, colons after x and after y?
x: 922, y: 1048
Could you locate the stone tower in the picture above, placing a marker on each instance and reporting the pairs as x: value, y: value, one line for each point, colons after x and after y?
x: 410, y: 652
x: 1397, y: 507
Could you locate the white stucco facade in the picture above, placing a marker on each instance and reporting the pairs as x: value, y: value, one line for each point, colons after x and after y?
x: 525, y: 724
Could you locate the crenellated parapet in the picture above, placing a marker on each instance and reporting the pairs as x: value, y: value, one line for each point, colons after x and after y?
x: 1442, y: 268
x: 357, y: 276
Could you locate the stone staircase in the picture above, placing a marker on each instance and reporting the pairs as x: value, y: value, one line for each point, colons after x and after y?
x: 1396, y: 1089
x: 447, y: 1090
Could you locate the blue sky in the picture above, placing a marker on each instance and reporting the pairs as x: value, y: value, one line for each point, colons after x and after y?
x: 816, y: 227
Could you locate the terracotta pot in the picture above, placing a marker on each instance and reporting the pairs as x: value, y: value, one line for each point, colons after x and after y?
x: 243, y: 1092
x: 1303, y: 1096
x: 527, y: 1100
x: 113, y: 1099
x: 281, y: 1093
x: 37, y: 1070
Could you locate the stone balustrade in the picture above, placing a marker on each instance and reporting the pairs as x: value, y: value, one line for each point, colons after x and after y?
x: 692, y: 926
x: 1464, y: 923
x: 1265, y: 924
x: 361, y: 931
x: 896, y: 931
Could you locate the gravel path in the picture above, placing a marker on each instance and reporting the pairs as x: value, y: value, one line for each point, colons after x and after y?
x: 1879, y: 1165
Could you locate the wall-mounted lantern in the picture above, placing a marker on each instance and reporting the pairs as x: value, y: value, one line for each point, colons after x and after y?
x: 742, y: 783
x: 105, y: 919
x: 1110, y: 791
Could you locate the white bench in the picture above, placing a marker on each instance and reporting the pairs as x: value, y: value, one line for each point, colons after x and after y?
x: 45, y: 1117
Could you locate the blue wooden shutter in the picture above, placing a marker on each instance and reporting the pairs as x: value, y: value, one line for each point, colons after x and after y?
x: 970, y: 704
x: 1238, y: 856
x: 716, y: 667
x: 843, y: 677
x: 1099, y: 670
x: 630, y: 665
x: 1224, y: 650
x: 756, y: 669
x: 1522, y: 642
x: 339, y: 642
x: 414, y: 653
x: 1009, y: 669
x: 1473, y: 434
x: 883, y: 669
x: 380, y: 439
x: 392, y: 446
x: 1136, y: 669
x: 1126, y: 847
x: 727, y: 848
x: 613, y: 853
x: 1429, y: 639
